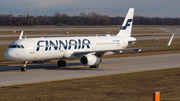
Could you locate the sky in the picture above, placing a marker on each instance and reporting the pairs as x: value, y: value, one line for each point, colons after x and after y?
x: 112, y: 8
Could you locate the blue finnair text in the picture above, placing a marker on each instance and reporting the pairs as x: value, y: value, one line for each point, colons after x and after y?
x: 66, y: 44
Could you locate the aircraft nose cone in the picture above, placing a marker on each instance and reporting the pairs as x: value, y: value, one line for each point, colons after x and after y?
x: 9, y: 54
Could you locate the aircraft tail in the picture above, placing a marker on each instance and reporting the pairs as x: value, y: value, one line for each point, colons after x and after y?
x: 127, y: 24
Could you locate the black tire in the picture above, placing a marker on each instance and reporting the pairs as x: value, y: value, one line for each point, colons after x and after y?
x: 96, y: 66
x: 91, y: 66
x: 59, y: 63
x: 63, y: 63
x: 23, y: 69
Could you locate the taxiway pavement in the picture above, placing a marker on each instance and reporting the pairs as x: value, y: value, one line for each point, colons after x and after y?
x: 11, y: 75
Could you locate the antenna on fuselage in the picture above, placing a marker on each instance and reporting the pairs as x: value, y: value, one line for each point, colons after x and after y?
x: 20, y: 37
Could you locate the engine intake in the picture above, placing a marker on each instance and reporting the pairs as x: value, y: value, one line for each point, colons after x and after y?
x: 90, y: 60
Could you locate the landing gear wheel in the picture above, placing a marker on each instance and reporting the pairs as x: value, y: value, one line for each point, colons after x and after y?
x: 61, y: 63
x: 91, y: 66
x: 96, y: 66
x: 23, y: 69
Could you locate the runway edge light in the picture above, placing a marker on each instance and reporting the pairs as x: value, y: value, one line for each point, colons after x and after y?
x: 156, y: 96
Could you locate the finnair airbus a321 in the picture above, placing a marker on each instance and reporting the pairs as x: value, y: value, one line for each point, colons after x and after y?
x: 88, y: 49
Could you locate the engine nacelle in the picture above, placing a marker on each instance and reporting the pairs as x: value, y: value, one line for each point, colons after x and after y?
x: 90, y: 60
x: 41, y: 61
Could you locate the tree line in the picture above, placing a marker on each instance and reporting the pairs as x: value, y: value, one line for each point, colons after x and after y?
x: 92, y: 18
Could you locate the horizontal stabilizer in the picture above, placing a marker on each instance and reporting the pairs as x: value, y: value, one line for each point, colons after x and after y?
x: 146, y: 40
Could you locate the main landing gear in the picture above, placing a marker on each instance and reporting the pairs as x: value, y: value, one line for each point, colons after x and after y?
x: 23, y: 69
x: 95, y: 66
x: 61, y: 63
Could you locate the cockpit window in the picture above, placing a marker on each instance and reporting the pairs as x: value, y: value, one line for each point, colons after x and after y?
x: 16, y: 46
x: 13, y: 46
x: 22, y: 46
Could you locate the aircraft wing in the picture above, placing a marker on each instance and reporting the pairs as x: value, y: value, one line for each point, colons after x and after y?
x: 80, y: 53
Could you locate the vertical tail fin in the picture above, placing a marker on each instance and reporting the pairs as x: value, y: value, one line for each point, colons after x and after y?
x: 127, y: 24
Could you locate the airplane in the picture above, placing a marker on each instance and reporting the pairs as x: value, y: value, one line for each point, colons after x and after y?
x: 88, y: 50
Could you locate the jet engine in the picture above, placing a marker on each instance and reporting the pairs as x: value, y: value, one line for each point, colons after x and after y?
x: 90, y: 60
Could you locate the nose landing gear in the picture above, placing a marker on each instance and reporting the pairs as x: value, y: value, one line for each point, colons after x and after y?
x: 23, y: 69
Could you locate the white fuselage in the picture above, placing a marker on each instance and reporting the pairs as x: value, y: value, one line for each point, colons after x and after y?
x: 35, y: 49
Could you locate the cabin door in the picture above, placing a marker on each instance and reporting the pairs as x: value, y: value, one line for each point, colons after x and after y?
x: 94, y: 45
x: 32, y: 47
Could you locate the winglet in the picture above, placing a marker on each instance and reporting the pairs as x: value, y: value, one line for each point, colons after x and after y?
x: 169, y: 43
x: 20, y: 37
